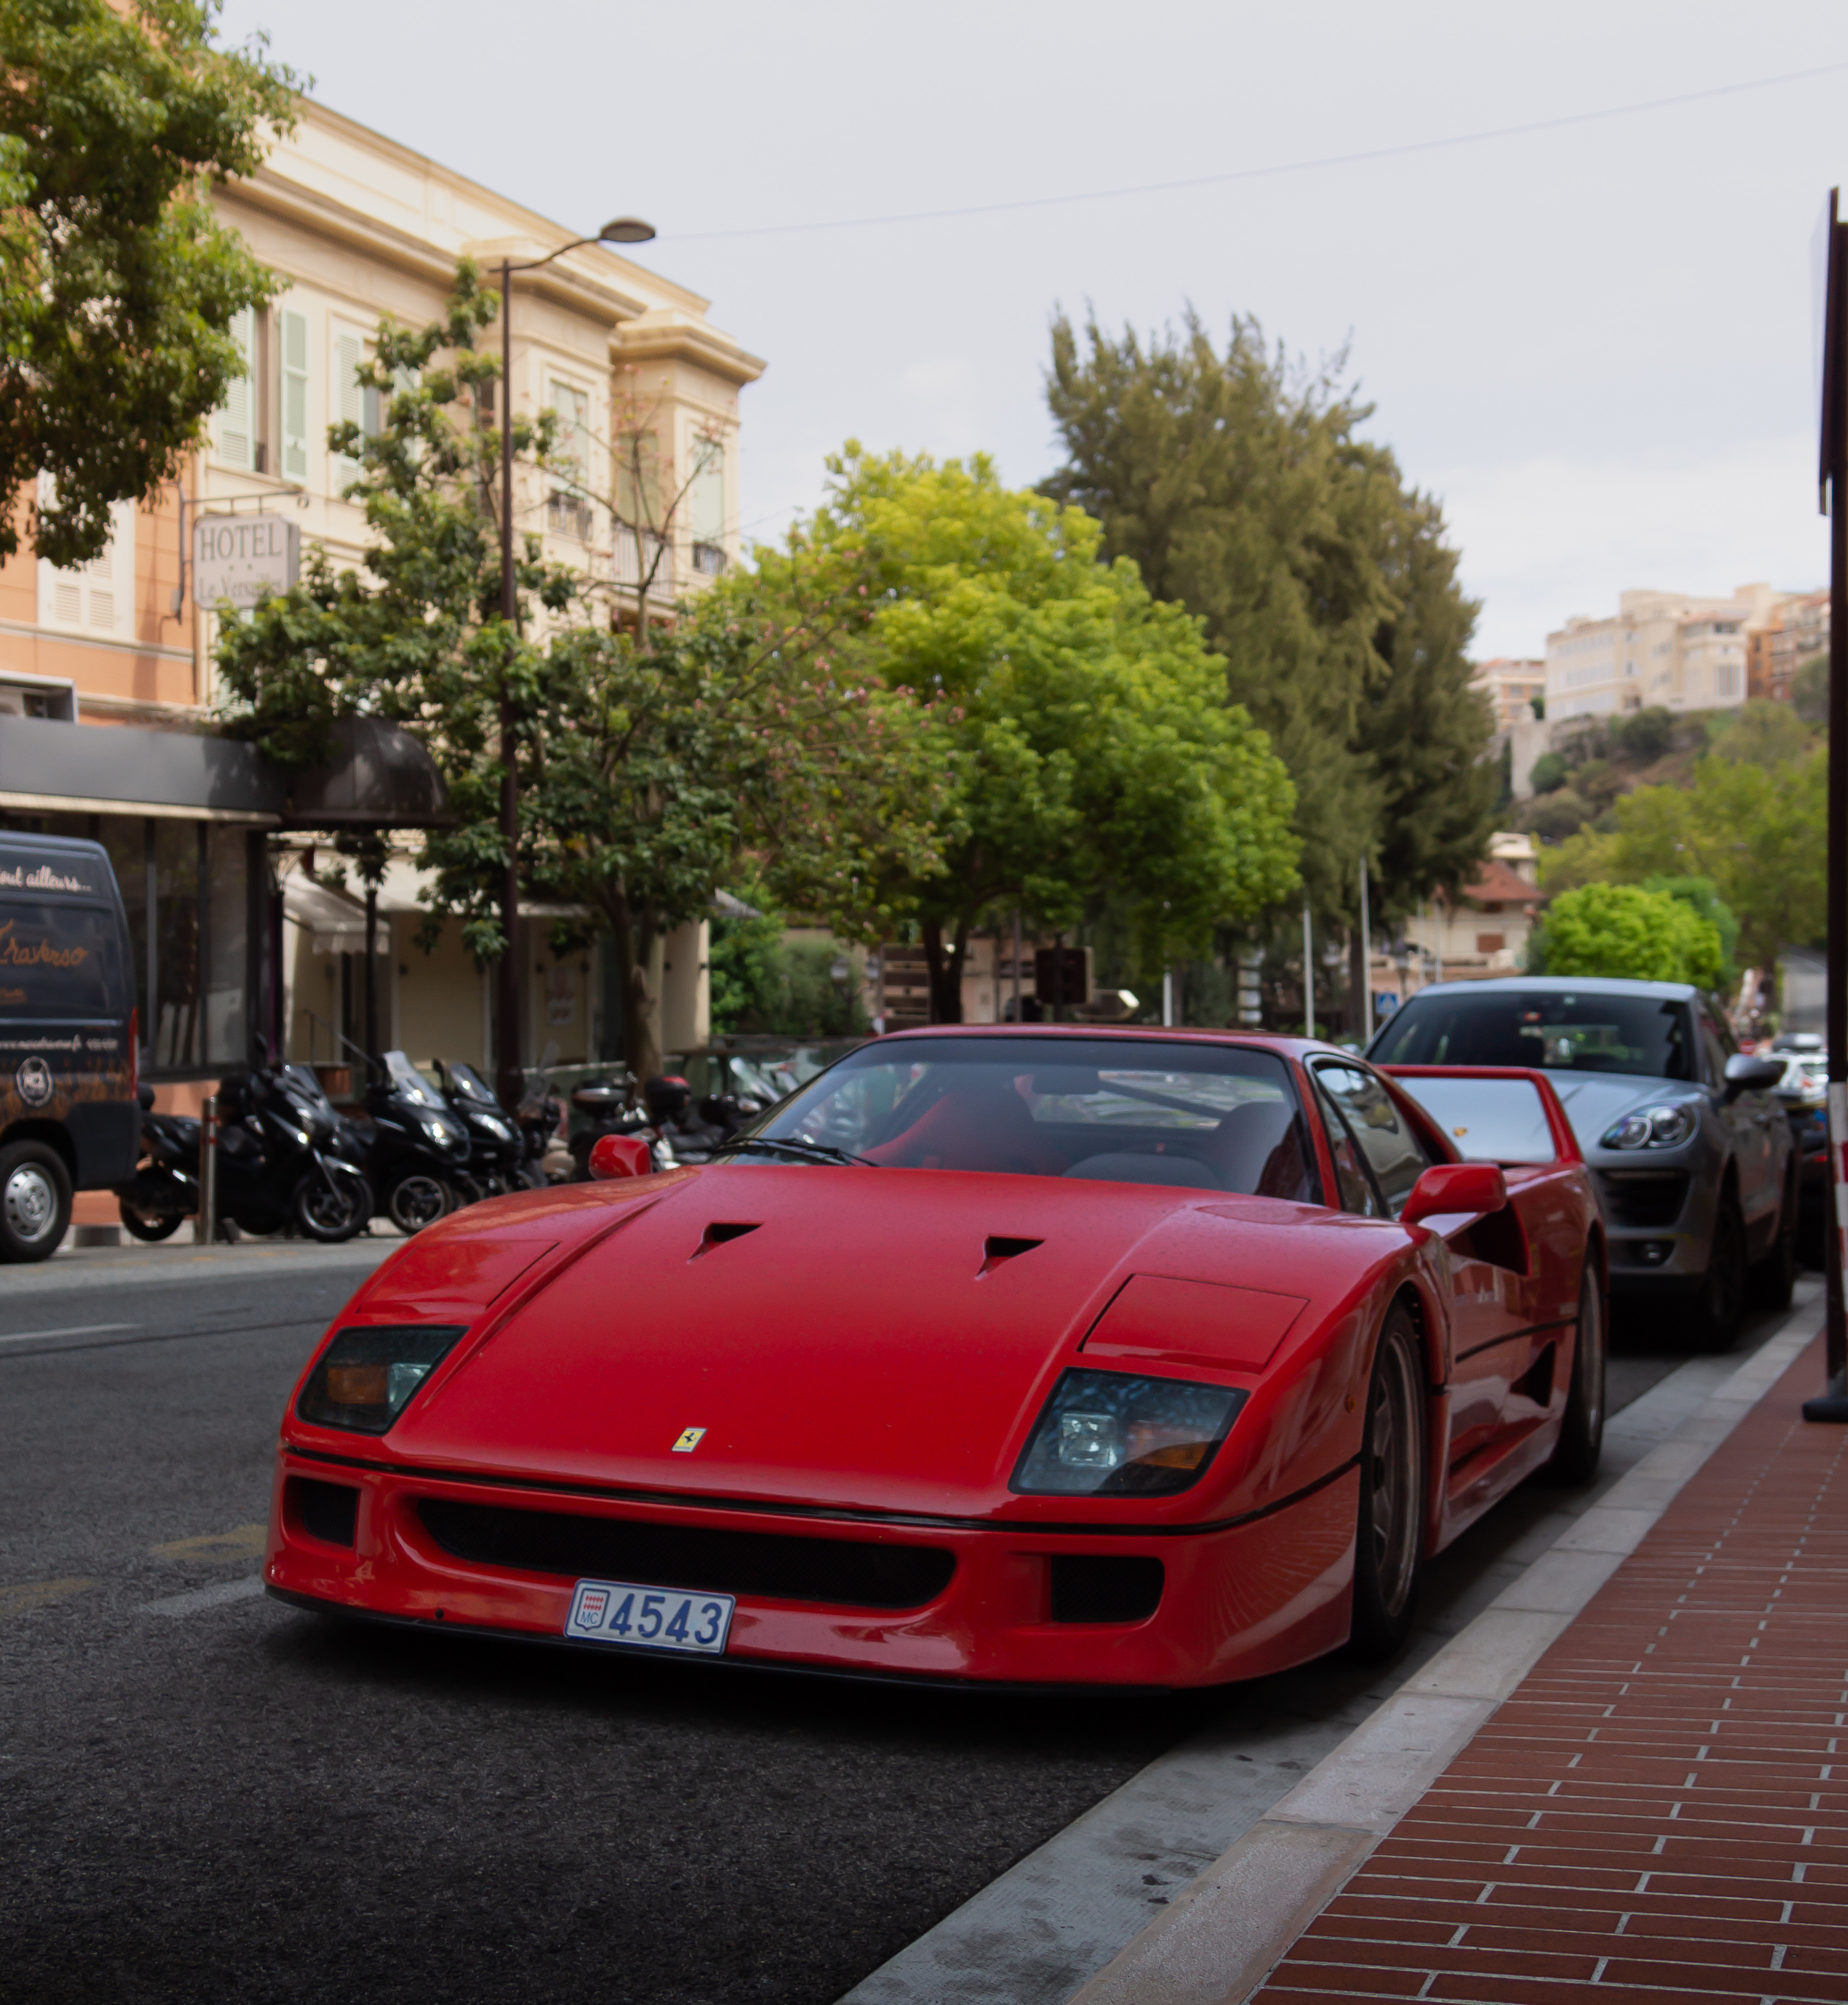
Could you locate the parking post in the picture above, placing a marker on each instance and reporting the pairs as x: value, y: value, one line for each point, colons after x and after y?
x: 208, y: 1169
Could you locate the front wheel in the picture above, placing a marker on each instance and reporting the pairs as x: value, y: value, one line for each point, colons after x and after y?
x: 151, y: 1227
x: 416, y: 1201
x: 1774, y: 1278
x: 331, y: 1207
x: 1575, y: 1456
x: 35, y: 1202
x: 1388, y: 1552
x: 1719, y: 1300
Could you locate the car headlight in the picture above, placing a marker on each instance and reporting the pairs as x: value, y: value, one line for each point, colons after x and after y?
x: 365, y: 1377
x: 1111, y: 1434
x: 1665, y: 1127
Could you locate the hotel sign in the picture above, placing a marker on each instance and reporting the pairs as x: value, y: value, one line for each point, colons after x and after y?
x: 243, y: 558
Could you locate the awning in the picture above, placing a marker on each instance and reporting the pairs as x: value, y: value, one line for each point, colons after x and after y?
x: 334, y: 922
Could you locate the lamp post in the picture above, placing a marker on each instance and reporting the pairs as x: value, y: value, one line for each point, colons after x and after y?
x: 511, y: 1076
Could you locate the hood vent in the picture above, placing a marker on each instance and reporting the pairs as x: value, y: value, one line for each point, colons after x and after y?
x: 716, y: 1233
x: 998, y: 1249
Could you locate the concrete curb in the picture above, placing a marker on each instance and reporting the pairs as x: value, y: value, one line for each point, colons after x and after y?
x: 1223, y: 1934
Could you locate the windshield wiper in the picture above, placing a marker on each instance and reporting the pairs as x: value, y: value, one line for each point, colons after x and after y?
x: 819, y: 1152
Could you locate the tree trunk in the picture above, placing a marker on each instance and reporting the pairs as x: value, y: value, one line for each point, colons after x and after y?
x: 946, y: 965
x: 631, y: 933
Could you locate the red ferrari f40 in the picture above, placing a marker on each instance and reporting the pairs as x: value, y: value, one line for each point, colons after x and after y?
x: 1047, y: 1355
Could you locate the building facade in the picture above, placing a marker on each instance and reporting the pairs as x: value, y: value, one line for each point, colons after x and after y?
x: 1798, y: 631
x: 238, y: 931
x: 1511, y: 688
x: 1662, y: 648
x: 1481, y: 932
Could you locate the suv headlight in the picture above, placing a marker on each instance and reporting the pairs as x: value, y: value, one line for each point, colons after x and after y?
x: 365, y: 1377
x: 1665, y: 1127
x: 1112, y: 1434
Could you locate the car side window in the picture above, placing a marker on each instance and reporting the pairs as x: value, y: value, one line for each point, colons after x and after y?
x: 1393, y: 1153
x: 1354, y: 1182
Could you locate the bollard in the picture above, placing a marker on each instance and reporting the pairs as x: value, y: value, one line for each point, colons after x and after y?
x: 208, y: 1169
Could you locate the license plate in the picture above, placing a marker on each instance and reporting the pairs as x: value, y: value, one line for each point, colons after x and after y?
x: 659, y: 1618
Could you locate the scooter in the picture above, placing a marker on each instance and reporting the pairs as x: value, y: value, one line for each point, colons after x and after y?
x: 280, y: 1167
x: 695, y: 1136
x: 605, y: 1108
x: 418, y: 1151
x: 496, y: 1147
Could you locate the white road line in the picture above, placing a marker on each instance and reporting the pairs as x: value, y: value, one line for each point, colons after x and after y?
x: 200, y: 1598
x: 79, y: 1329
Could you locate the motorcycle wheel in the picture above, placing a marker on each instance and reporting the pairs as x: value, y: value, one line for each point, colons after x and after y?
x: 138, y: 1225
x: 330, y: 1216
x: 416, y: 1201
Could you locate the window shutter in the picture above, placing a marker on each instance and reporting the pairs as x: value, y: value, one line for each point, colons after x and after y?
x: 97, y: 597
x: 295, y: 397
x: 349, y: 352
x: 706, y: 503
x: 235, y: 431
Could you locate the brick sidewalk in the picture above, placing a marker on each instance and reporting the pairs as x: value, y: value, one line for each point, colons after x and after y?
x: 1660, y: 1811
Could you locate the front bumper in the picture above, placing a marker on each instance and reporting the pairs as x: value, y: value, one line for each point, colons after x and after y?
x: 1237, y: 1601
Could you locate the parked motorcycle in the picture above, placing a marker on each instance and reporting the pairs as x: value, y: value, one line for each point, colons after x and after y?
x: 497, y: 1149
x: 417, y: 1149
x: 695, y: 1135
x: 603, y: 1108
x: 539, y: 1117
x: 281, y: 1165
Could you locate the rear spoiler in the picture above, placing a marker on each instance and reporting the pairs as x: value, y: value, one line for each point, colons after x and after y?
x: 1565, y: 1144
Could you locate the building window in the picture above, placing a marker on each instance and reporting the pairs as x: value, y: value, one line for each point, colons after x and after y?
x: 1725, y: 680
x: 568, y: 507
x: 238, y: 416
x: 706, y: 506
x: 295, y: 396
x: 1491, y: 943
x: 97, y: 597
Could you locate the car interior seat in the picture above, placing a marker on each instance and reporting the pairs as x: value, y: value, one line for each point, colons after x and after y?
x: 979, y: 1125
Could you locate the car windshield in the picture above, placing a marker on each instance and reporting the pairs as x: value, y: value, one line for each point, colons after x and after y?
x: 1194, y: 1116
x: 1562, y: 1030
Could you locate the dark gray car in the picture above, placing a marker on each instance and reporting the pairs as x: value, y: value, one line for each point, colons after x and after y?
x: 1690, y: 1150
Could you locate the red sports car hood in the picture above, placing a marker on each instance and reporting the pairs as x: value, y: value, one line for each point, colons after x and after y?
x: 835, y: 1337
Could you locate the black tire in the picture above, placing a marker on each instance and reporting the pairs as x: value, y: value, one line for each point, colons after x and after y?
x: 330, y: 1214
x: 1720, y: 1299
x: 1774, y: 1278
x: 139, y: 1225
x: 1389, y: 1548
x: 1575, y: 1456
x: 415, y: 1200
x: 35, y: 1202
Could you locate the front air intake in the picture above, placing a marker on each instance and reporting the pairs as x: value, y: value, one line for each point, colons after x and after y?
x: 1105, y: 1587
x: 772, y: 1566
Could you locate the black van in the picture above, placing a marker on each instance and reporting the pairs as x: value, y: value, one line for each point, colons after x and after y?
x: 69, y: 1119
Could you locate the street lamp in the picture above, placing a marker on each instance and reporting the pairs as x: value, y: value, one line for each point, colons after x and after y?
x: 511, y: 1076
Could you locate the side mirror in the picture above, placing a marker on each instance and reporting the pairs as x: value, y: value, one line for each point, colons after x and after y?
x: 1455, y: 1187
x: 1747, y: 1073
x: 619, y: 1155
x: 144, y: 1095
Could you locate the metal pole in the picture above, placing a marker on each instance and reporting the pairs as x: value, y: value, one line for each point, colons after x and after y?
x: 1017, y: 964
x: 509, y: 1078
x: 1309, y: 975
x: 208, y: 1170
x: 1167, y: 998
x: 1366, y: 961
x: 1832, y: 1405
x: 372, y: 978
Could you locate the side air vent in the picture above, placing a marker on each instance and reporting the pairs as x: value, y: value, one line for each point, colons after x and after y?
x: 325, y: 1511
x: 998, y: 1248
x: 717, y: 1234
x: 1105, y: 1587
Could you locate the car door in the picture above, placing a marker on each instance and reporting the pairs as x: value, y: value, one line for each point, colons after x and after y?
x: 1747, y: 1119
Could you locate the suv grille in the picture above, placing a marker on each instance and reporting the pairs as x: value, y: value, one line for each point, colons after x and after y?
x: 1650, y: 1199
x: 845, y: 1573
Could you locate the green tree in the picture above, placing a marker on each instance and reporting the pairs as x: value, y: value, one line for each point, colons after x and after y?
x: 1756, y: 833
x: 1241, y: 489
x: 1081, y: 724
x: 1622, y: 930
x: 1809, y: 690
x: 117, y: 285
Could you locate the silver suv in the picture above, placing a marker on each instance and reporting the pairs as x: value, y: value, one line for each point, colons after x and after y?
x: 1690, y: 1151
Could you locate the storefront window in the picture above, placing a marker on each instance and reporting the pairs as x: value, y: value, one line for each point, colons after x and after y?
x: 177, y: 879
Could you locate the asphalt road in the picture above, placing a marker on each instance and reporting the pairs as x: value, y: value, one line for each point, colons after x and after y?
x: 206, y: 1797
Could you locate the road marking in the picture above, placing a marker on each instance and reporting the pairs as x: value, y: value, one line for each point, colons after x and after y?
x: 30, y: 1594
x: 79, y: 1329
x: 202, y: 1598
x: 245, y: 1541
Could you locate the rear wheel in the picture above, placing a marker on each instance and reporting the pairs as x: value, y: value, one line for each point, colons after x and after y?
x: 1719, y: 1300
x: 1774, y: 1278
x: 35, y: 1202
x: 1389, y: 1550
x: 1575, y: 1458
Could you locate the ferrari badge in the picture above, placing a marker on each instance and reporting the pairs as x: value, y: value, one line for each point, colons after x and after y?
x: 690, y: 1438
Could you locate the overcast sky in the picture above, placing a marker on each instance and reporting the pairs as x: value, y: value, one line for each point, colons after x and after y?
x: 1592, y: 343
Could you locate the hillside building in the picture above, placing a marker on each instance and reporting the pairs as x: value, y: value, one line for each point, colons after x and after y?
x: 1661, y: 649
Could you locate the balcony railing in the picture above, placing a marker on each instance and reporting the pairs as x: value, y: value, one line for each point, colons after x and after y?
x: 637, y: 553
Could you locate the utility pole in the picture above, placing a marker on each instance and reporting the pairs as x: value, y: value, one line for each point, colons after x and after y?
x: 1832, y: 1402
x: 1366, y: 962
x: 1309, y: 975
x: 509, y: 1080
